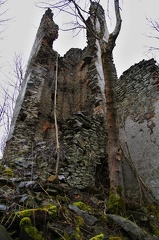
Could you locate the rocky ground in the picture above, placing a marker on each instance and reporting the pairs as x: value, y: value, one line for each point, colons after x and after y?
x: 35, y: 208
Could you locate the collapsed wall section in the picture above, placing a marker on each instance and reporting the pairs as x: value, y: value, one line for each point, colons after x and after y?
x: 31, y: 147
x: 26, y: 112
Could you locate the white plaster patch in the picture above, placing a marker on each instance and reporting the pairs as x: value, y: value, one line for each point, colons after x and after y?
x: 141, y: 145
x: 106, y: 33
x: 98, y: 26
x: 98, y: 64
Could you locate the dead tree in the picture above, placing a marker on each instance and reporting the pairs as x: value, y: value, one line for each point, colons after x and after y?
x: 154, y: 34
x: 10, y: 88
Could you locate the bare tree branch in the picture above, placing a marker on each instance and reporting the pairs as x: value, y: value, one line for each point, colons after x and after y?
x: 154, y: 26
x: 117, y: 28
x: 9, y: 92
x: 72, y: 8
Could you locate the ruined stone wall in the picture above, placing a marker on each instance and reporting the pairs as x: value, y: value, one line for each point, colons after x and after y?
x: 26, y: 112
x: 138, y: 104
x: 31, y: 146
x: 80, y: 115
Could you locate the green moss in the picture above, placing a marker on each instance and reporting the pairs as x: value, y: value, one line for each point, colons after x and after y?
x: 8, y: 172
x: 119, y: 190
x: 154, y: 229
x: 82, y: 206
x: 25, y: 213
x: 154, y: 209
x: 12, y: 164
x: 21, y: 152
x: 32, y: 231
x: 50, y: 209
x: 25, y: 222
x: 98, y: 237
x: 115, y: 204
x: 115, y: 238
x: 79, y: 221
x: 104, y: 217
x: 78, y: 234
x: 62, y: 199
x: 66, y: 236
x: 1, y: 166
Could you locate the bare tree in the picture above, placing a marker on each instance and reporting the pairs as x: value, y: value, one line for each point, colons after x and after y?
x: 9, y: 85
x: 4, y: 95
x: 154, y: 34
x: 3, y: 20
x: 10, y: 88
x: 106, y: 43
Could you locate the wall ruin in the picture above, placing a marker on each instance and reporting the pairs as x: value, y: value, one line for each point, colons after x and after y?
x: 80, y: 114
x: 138, y: 104
x: 31, y: 146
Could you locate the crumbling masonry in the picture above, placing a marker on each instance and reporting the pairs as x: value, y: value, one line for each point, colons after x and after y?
x: 31, y: 145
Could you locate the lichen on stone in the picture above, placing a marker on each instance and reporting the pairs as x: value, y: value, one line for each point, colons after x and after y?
x: 82, y: 206
x: 8, y: 172
x: 98, y: 237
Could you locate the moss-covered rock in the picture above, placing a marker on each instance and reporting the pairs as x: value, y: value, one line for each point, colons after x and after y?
x: 3, y: 234
x: 155, y: 229
x: 79, y: 221
x: 82, y: 206
x: 8, y: 172
x: 48, y: 209
x: 98, y: 237
x: 51, y: 209
x: 78, y: 234
x: 28, y: 230
x: 115, y: 204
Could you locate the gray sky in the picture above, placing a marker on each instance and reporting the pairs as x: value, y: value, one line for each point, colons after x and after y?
x: 20, y: 31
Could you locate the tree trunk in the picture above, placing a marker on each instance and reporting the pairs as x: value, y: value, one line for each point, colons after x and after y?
x: 105, y: 44
x: 109, y: 70
x: 114, y: 151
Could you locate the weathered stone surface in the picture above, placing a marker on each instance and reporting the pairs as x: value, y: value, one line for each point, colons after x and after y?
x: 152, y: 238
x: 138, y: 102
x: 80, y: 115
x: 3, y: 234
x: 134, y: 231
x: 89, y: 219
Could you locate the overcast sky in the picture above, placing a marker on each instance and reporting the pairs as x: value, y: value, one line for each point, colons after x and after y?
x: 20, y: 31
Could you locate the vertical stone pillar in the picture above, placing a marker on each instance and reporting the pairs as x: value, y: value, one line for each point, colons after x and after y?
x: 34, y: 101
